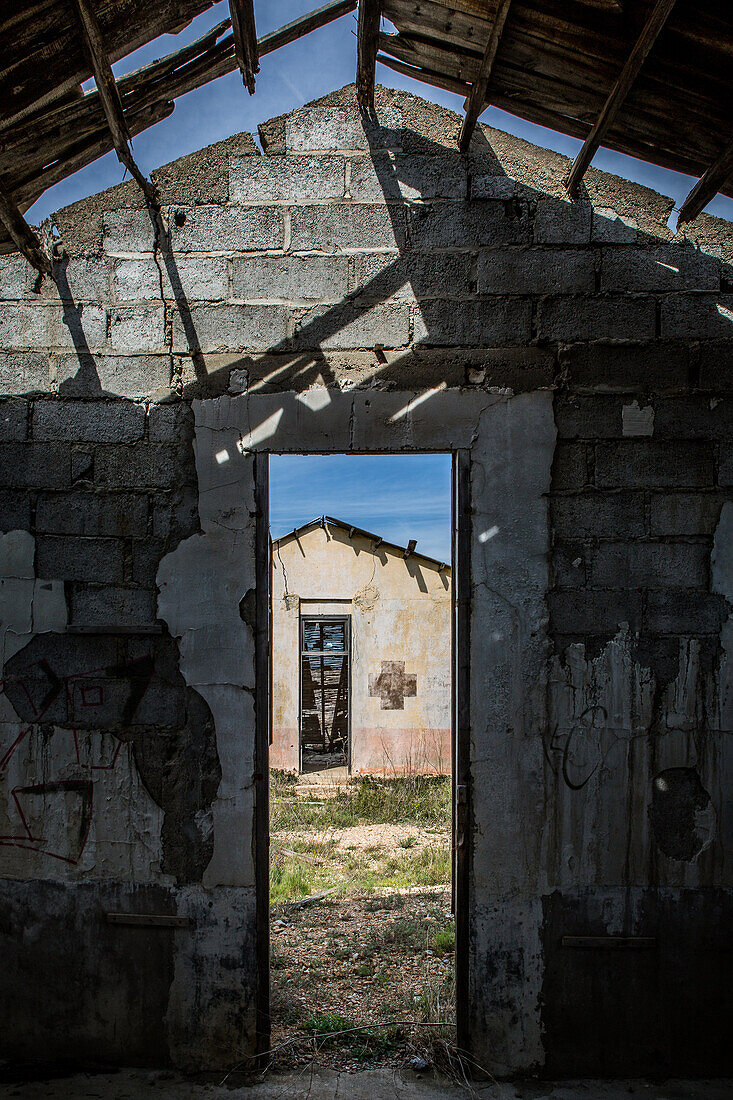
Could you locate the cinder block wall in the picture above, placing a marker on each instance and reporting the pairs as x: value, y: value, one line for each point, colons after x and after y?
x: 352, y: 261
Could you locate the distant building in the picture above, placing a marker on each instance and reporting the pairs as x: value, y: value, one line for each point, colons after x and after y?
x: 361, y: 651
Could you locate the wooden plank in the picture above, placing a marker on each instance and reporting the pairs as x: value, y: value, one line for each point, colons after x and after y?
x: 110, y: 97
x: 427, y: 76
x: 609, y: 942
x: 654, y: 24
x: 21, y: 233
x: 245, y: 40
x: 148, y: 920
x: 366, y: 45
x: 477, y: 98
x: 708, y: 186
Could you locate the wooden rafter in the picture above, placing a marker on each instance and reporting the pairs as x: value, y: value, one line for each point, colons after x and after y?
x: 476, y: 101
x: 24, y: 237
x: 708, y: 186
x: 245, y: 40
x: 367, y: 40
x: 654, y: 24
x: 110, y: 97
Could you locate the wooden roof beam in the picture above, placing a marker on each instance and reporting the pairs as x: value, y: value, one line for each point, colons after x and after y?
x: 110, y: 97
x: 370, y: 12
x: 707, y: 186
x: 245, y: 40
x: 22, y: 234
x: 476, y: 101
x: 654, y: 24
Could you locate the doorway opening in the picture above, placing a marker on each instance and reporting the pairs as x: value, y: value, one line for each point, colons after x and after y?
x: 324, y: 693
x: 366, y: 811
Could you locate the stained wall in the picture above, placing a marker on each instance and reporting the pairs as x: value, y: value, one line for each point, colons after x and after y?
x: 360, y: 286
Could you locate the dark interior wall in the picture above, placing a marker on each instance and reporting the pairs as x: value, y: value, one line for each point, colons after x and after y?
x: 378, y: 261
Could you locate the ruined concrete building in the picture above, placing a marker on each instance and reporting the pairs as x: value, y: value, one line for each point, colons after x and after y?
x: 361, y: 644
x: 363, y: 286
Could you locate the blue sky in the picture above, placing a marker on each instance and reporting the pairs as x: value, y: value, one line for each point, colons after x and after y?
x: 399, y: 497
x: 288, y: 78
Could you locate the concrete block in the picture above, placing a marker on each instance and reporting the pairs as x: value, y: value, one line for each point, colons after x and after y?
x: 590, y: 611
x: 34, y: 465
x: 725, y: 466
x: 142, y: 466
x: 347, y: 228
x: 697, y: 317
x: 581, y: 417
x: 14, y: 271
x: 413, y: 275
x: 88, y: 422
x: 382, y: 178
x: 146, y: 557
x: 111, y: 606
x: 137, y: 328
x: 715, y: 367
x: 80, y: 559
x: 694, y: 417
x: 290, y: 277
x: 610, y: 227
x: 171, y: 423
x: 342, y: 128
x: 627, y: 368
x: 488, y: 181
x: 592, y: 318
x: 24, y: 372
x: 175, y: 516
x: 112, y: 515
x: 599, y: 515
x: 132, y: 376
x: 536, y: 271
x: 293, y: 179
x: 645, y: 270
x: 650, y: 564
x: 570, y: 467
x: 684, y: 611
x: 15, y: 510
x: 30, y: 325
x: 200, y: 278
x: 226, y: 228
x: 234, y: 327
x: 472, y: 324
x: 348, y: 326
x: 83, y: 279
x: 127, y: 230
x: 673, y: 514
x: 13, y: 421
x: 642, y: 463
x: 467, y: 225
x: 557, y: 221
x: 569, y: 564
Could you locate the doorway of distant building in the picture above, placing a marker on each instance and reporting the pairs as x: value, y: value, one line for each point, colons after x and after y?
x: 367, y: 751
x: 324, y: 692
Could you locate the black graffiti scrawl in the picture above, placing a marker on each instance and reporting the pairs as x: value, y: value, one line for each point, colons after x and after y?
x: 132, y: 688
x: 393, y: 685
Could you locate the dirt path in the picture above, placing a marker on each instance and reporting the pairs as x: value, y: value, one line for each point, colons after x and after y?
x: 353, y: 961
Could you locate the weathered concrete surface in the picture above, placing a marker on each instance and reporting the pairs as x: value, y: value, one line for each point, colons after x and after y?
x: 399, y: 610
x: 381, y: 1084
x: 412, y: 298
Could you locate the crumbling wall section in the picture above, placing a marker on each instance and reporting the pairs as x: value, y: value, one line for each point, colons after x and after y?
x: 370, y: 288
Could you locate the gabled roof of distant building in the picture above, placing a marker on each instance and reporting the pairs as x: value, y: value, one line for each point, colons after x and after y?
x: 352, y: 529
